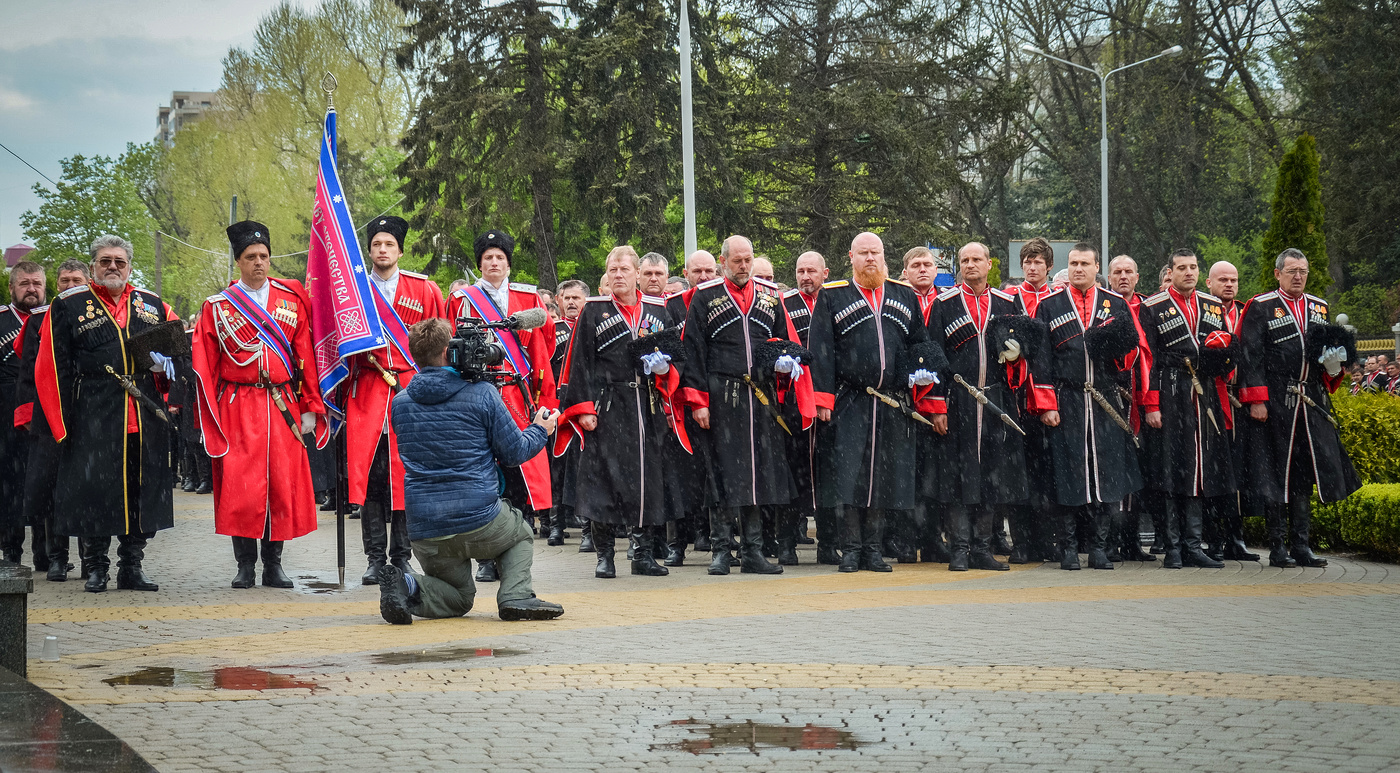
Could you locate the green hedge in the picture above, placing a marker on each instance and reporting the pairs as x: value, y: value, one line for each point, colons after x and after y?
x: 1368, y: 520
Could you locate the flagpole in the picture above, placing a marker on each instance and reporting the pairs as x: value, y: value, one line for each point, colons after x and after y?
x: 687, y: 137
x: 338, y: 451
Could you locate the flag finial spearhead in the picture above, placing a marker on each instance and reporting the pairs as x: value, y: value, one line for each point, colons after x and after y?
x: 328, y: 84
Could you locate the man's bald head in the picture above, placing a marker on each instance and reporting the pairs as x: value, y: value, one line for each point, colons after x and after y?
x: 1123, y: 275
x: 700, y: 267
x: 811, y: 272
x: 868, y: 260
x: 1223, y: 281
x: 763, y: 268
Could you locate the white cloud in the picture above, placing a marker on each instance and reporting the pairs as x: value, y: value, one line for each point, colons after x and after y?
x: 14, y: 104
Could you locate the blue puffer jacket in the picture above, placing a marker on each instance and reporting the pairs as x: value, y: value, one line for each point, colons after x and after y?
x: 451, y: 435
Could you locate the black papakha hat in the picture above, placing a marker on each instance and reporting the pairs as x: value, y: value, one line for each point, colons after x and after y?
x: 496, y: 238
x: 247, y: 233
x: 396, y: 227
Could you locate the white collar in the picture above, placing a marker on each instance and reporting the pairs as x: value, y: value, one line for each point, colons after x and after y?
x: 261, y: 294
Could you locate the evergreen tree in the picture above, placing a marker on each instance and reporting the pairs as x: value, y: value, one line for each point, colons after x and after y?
x: 1297, y: 217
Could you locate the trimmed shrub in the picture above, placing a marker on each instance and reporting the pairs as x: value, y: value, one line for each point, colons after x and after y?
x: 1368, y: 520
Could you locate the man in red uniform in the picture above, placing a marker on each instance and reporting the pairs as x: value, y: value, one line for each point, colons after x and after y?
x: 372, y: 451
x: 921, y: 272
x: 1123, y: 279
x: 27, y: 293
x: 528, y: 354
x: 1225, y: 515
x: 258, y: 393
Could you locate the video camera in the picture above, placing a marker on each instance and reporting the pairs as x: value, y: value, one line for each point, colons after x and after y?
x: 476, y: 353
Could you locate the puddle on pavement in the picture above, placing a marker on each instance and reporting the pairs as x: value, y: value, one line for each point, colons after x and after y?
x: 230, y: 678
x: 440, y: 655
x: 318, y: 584
x: 757, y: 737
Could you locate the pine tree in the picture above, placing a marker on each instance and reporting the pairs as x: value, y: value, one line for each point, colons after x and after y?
x: 1297, y: 217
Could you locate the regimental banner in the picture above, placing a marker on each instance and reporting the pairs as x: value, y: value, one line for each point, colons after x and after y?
x: 348, y: 316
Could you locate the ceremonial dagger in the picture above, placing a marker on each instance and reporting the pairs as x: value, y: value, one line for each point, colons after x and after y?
x: 1112, y: 413
x: 763, y: 400
x: 1299, y: 391
x: 1201, y: 392
x: 130, y: 388
x: 991, y: 406
x: 897, y: 405
x: 388, y: 377
x: 282, y: 406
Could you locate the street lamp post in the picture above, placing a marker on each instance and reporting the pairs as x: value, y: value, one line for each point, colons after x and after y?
x: 1103, y: 128
x: 687, y: 139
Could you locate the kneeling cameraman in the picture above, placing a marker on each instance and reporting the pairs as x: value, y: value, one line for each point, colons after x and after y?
x: 452, y: 434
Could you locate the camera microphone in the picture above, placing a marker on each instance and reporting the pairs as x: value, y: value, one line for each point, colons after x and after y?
x: 528, y: 319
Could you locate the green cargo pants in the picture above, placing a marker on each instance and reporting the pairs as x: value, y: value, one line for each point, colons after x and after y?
x: 446, y: 587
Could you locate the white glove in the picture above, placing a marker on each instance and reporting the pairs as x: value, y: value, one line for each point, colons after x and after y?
x: 789, y: 365
x: 656, y: 363
x: 162, y: 364
x: 308, y: 423
x: 923, y: 377
x: 1012, y: 352
x: 1331, y: 359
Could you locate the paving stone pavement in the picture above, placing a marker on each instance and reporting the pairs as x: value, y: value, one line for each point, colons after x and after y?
x: 1142, y: 668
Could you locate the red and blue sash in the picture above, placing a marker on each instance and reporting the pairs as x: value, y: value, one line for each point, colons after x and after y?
x: 269, y: 332
x: 487, y: 310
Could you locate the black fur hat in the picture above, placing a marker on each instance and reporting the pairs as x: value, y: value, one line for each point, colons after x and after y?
x: 667, y: 341
x: 1324, y: 336
x: 766, y: 354
x: 245, y: 234
x: 396, y: 227
x: 1030, y: 333
x: 1113, y: 339
x: 927, y: 356
x: 167, y: 338
x: 494, y: 238
x: 1219, y: 362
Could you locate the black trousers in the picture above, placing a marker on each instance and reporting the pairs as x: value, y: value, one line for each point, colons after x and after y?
x: 131, y: 550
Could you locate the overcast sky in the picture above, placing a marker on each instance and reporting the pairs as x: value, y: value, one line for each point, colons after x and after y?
x: 88, y: 76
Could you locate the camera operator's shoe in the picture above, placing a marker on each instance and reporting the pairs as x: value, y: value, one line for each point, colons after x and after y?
x: 394, y: 598
x: 529, y: 609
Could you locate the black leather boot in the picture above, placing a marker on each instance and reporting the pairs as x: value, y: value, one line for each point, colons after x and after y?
x: 1069, y: 541
x: 1103, y: 524
x: 702, y: 531
x: 959, y: 537
x: 245, y: 552
x: 788, y: 524
x: 872, y: 528
x: 556, y: 527
x: 1110, y: 546
x: 604, y: 543
x: 721, y: 526
x: 1300, y: 528
x: 980, y: 556
x: 675, y: 543
x: 644, y: 559
x: 1275, y: 521
x: 94, y: 552
x: 131, y: 551
x: 39, y: 545
x: 1235, y: 547
x: 1171, y: 531
x: 58, y: 554
x: 998, y: 544
x: 850, y: 540
x: 400, y: 548
x: 1129, y: 536
x: 828, y: 536
x: 770, y: 531
x: 374, y: 535
x: 273, y: 576
x: 802, y: 538
x: 752, y: 560
x: 585, y: 542
x: 1193, y: 525
x: 1020, y: 535
x: 486, y: 571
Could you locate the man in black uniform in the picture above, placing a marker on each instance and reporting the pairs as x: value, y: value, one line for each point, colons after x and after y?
x: 113, y: 447
x: 26, y: 294
x: 1293, y: 361
x: 41, y: 468
x: 1093, y: 341
x: 1186, y: 445
x: 866, y: 354
x: 798, y: 303
x: 729, y: 397
x: 981, y: 458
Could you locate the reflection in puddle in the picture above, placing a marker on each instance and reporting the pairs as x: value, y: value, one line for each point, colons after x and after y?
x: 756, y: 737
x: 318, y: 584
x: 230, y: 678
x: 440, y: 655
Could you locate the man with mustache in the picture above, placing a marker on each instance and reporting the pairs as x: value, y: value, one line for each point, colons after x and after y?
x: 811, y: 272
x: 865, y: 341
x: 26, y: 294
x: 114, y: 449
